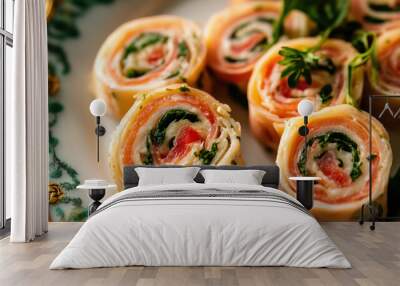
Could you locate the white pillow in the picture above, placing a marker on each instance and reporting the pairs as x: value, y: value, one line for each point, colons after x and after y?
x: 248, y: 177
x: 166, y: 176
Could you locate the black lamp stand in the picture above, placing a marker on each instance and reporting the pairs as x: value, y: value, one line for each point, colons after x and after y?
x: 100, y: 131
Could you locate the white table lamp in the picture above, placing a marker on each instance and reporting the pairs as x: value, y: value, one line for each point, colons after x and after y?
x: 98, y: 109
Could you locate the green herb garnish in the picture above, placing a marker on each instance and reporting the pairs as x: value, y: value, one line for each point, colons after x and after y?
x: 300, y: 64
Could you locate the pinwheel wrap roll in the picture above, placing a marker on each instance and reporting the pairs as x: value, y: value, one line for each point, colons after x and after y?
x: 337, y: 152
x: 386, y: 81
x: 175, y: 125
x: 296, y: 25
x: 237, y: 37
x: 144, y: 54
x: 272, y: 101
x: 375, y: 15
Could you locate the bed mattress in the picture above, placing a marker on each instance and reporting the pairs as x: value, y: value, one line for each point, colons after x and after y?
x: 201, y: 225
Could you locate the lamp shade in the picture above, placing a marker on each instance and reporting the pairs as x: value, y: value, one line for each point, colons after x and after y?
x: 98, y: 107
x: 305, y: 107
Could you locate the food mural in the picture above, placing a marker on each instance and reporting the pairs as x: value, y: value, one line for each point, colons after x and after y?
x: 162, y: 78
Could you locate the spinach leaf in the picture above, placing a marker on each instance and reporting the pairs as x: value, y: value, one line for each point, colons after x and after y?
x: 374, y: 20
x: 356, y: 168
x: 184, y: 88
x: 173, y: 74
x: 148, y: 157
x: 158, y: 133
x: 134, y: 73
x: 301, y: 164
x: 384, y: 8
x: 207, y: 156
x: 231, y: 59
x: 236, y: 31
x: 265, y: 20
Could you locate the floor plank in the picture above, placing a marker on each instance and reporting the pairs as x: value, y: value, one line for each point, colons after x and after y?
x: 375, y: 257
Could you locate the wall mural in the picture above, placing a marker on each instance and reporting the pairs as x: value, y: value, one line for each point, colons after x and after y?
x: 218, y: 82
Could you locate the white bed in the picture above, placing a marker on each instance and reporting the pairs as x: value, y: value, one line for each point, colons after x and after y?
x: 203, y: 225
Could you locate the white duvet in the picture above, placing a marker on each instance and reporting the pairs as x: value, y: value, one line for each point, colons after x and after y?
x: 188, y: 231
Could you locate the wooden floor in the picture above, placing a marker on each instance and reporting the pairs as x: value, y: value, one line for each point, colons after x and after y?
x: 375, y: 257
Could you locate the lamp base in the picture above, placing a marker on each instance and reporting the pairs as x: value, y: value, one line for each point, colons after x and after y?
x: 373, y: 210
x: 96, y: 195
x: 305, y: 193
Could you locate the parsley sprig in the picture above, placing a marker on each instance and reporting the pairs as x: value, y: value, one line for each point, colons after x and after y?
x: 300, y: 64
